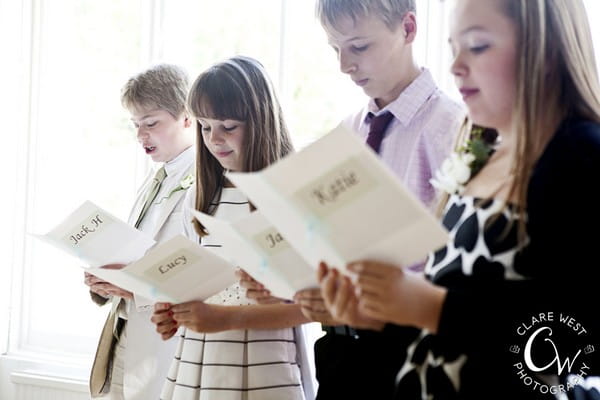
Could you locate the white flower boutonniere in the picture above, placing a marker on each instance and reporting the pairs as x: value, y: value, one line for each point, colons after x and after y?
x: 466, y: 162
x: 184, y: 184
x: 454, y: 173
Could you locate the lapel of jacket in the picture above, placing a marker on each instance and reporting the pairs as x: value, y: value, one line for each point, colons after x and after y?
x: 140, y: 198
x: 169, y: 204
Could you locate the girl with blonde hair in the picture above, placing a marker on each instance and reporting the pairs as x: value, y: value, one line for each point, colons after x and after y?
x: 508, y: 307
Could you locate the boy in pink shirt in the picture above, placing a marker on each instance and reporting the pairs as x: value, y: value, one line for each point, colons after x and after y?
x: 373, y: 41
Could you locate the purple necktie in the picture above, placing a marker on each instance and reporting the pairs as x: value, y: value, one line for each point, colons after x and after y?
x: 377, y: 129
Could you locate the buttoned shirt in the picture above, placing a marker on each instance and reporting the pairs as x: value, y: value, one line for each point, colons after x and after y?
x: 420, y: 136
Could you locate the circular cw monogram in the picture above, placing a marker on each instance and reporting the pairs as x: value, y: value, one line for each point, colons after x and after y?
x: 551, y: 345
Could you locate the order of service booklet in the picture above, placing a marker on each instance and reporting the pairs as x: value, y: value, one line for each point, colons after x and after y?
x: 335, y: 201
x: 177, y: 270
x: 254, y: 244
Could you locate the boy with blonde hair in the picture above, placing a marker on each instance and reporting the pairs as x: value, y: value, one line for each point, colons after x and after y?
x: 411, y: 124
x: 132, y: 360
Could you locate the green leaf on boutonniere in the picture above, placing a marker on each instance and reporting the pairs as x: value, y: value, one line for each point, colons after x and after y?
x: 184, y: 184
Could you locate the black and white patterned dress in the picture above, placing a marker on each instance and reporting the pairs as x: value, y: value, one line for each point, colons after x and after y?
x: 478, y: 250
x: 499, y: 291
x: 237, y: 364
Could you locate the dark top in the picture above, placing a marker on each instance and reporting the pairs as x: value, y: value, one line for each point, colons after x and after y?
x: 520, y: 320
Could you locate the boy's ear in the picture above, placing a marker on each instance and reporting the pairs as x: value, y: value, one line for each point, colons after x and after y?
x: 187, y: 121
x: 409, y: 26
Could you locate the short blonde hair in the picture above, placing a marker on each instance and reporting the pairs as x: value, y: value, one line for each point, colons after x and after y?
x: 163, y: 86
x: 391, y: 12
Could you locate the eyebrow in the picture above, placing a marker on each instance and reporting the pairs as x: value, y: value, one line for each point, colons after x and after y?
x: 351, y: 39
x: 144, y: 117
x: 472, y: 28
x: 468, y: 30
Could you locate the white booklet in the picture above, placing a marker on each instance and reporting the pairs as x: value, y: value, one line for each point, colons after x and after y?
x: 335, y: 201
x: 97, y: 237
x: 175, y: 271
x: 255, y: 245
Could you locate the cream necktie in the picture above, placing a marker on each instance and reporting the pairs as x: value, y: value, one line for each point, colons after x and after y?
x: 118, y: 303
x: 153, y: 190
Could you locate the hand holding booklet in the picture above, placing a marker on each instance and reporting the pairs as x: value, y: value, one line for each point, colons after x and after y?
x: 254, y: 244
x: 175, y: 271
x: 335, y: 201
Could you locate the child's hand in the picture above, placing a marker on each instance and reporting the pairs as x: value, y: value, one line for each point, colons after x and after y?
x: 201, y: 317
x: 104, y: 288
x: 341, y: 301
x: 378, y: 287
x: 256, y: 290
x: 313, y: 306
x: 386, y: 292
x: 166, y: 326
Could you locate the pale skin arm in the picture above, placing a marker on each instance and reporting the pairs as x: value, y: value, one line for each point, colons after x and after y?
x: 104, y: 288
x: 386, y: 292
x: 201, y: 317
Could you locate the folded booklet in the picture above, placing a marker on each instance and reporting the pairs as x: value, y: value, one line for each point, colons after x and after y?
x: 335, y: 201
x: 97, y: 237
x: 254, y: 244
x: 175, y: 271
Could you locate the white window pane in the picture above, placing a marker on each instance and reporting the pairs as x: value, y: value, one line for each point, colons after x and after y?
x: 198, y: 33
x: 82, y: 148
x: 319, y: 94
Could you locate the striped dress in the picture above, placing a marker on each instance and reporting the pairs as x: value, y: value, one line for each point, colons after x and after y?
x: 240, y: 364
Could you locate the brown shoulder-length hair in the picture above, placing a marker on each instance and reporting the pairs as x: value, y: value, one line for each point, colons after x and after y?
x: 239, y: 89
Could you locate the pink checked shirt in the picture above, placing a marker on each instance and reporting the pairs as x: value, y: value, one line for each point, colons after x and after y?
x: 420, y: 136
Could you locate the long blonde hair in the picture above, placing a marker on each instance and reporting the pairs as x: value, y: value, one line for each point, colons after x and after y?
x: 556, y: 76
x: 556, y: 79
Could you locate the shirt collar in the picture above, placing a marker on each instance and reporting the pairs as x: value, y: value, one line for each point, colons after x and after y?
x: 179, y: 162
x: 410, y: 100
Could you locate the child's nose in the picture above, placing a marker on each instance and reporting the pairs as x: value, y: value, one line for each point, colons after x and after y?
x: 141, y: 132
x: 458, y: 67
x: 347, y: 64
x: 215, y: 137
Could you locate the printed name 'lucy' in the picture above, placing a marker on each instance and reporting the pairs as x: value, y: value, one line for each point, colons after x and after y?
x: 181, y: 260
x: 76, y: 237
x: 329, y: 193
